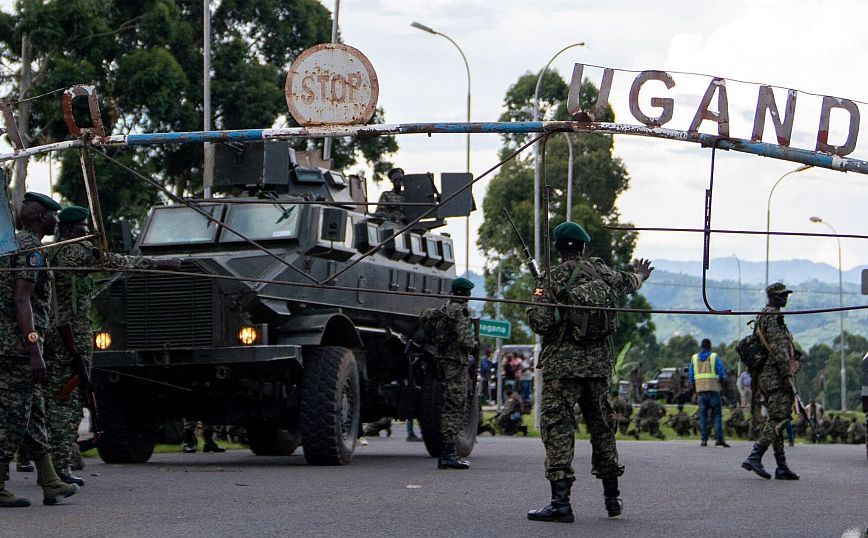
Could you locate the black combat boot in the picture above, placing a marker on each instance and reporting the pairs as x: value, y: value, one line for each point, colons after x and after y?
x: 449, y: 458
x: 783, y: 472
x: 67, y: 477
x: 559, y: 509
x: 754, y: 461
x: 210, y: 445
x: 611, y: 494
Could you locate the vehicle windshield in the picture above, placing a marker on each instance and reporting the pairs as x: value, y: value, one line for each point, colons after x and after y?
x: 665, y: 374
x: 181, y: 224
x: 262, y: 221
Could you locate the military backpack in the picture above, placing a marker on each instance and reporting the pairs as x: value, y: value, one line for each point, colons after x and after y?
x: 437, y: 327
x: 586, y: 287
x: 751, y: 351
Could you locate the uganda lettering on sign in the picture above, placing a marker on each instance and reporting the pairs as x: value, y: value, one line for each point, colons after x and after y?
x: 331, y: 84
x: 494, y: 328
x: 713, y: 106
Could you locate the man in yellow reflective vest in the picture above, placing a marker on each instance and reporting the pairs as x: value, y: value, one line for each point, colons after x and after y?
x: 707, y: 376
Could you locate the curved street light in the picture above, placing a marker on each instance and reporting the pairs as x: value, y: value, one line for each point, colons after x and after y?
x: 818, y: 220
x: 430, y: 30
x: 769, y: 212
x: 536, y: 156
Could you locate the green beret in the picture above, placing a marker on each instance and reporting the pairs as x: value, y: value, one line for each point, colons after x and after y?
x: 45, y: 201
x: 777, y: 289
x: 461, y: 284
x: 571, y: 232
x: 73, y: 213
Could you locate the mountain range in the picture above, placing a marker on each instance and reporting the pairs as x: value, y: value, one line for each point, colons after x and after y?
x: 677, y: 285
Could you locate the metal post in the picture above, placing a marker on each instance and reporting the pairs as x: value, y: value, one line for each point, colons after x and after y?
x: 818, y: 220
x: 327, y: 142
x: 499, y: 343
x: 569, y: 179
x: 424, y: 28
x: 537, y: 240
x: 738, y: 307
x: 769, y: 213
x: 208, y: 148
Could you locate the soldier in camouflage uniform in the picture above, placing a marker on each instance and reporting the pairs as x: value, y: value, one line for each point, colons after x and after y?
x: 680, y: 422
x: 455, y: 343
x: 71, y: 340
x: 623, y: 412
x: 774, y: 384
x: 390, y: 205
x: 737, y: 423
x: 576, y: 367
x: 25, y: 299
x: 648, y: 418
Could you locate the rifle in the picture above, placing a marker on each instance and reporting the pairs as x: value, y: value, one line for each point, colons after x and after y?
x: 800, y: 407
x: 529, y: 260
x: 81, y: 378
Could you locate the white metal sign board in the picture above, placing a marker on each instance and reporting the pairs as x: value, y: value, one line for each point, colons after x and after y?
x: 331, y: 84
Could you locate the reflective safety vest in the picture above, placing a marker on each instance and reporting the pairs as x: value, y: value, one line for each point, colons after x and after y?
x: 704, y: 374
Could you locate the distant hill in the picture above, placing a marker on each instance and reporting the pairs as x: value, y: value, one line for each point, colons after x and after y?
x: 788, y: 271
x: 677, y: 285
x: 668, y: 290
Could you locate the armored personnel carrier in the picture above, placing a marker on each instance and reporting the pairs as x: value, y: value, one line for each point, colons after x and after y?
x: 244, y: 335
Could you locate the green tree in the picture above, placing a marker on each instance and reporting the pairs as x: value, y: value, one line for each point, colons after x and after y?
x: 145, y: 59
x: 599, y: 179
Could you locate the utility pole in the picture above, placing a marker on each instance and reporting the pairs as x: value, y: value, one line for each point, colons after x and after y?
x: 208, y: 168
x: 19, y: 185
x: 498, y: 342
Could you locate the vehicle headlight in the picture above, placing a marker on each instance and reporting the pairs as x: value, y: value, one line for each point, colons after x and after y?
x: 102, y: 340
x: 248, y: 335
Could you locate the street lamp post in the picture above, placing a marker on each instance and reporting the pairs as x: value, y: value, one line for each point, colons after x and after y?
x: 537, y: 240
x: 738, y: 307
x: 569, y: 178
x: 769, y: 212
x: 818, y: 220
x: 424, y: 28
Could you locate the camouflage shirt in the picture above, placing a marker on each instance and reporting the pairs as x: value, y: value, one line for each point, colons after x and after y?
x: 11, y: 342
x: 776, y: 371
x: 562, y: 356
x: 458, y: 315
x: 390, y: 207
x: 74, y: 290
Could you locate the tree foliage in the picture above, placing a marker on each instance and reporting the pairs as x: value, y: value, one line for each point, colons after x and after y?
x: 145, y: 58
x: 599, y: 178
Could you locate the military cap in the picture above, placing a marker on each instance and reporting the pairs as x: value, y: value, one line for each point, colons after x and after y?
x: 394, y: 171
x: 571, y: 232
x: 45, y: 201
x: 777, y: 289
x: 461, y: 284
x: 73, y: 213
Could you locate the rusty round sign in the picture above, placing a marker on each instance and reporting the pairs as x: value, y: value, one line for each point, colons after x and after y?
x: 331, y: 84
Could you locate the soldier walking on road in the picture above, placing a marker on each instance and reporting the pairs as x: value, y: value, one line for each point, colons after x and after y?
x: 576, y: 363
x: 449, y: 329
x: 25, y: 300
x: 774, y: 384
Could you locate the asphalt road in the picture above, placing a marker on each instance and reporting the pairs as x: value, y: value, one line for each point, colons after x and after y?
x: 393, y: 489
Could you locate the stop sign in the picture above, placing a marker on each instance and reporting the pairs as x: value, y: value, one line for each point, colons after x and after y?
x: 331, y: 84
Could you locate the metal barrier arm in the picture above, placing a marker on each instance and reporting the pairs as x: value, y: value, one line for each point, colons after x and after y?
x: 803, y: 156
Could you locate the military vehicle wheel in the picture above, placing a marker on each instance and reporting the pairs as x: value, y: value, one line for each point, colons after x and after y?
x: 266, y: 439
x: 125, y: 437
x: 329, y: 407
x: 429, y: 418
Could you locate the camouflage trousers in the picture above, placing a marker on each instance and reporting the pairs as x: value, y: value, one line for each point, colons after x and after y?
x: 779, y: 404
x: 22, y: 411
x: 453, y: 379
x: 63, y: 416
x: 558, y: 426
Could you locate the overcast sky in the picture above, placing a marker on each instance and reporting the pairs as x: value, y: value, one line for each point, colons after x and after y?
x: 807, y: 45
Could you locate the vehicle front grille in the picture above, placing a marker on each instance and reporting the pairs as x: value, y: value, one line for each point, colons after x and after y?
x: 173, y: 310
